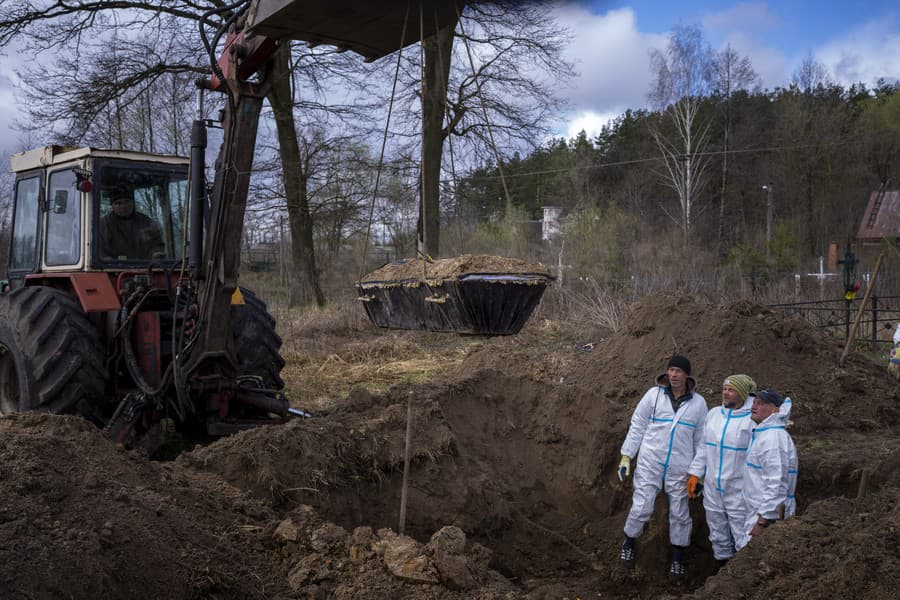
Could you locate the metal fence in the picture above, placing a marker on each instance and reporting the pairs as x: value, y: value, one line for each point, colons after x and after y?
x: 836, y: 316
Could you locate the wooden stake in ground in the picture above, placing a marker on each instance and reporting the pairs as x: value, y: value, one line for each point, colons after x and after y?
x: 862, y: 307
x: 863, y: 484
x: 405, y: 485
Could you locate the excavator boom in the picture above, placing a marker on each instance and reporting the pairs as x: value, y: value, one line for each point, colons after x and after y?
x: 244, y: 72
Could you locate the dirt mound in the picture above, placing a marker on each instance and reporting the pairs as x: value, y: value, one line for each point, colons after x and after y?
x: 359, y: 441
x: 80, y: 518
x: 838, y: 548
x: 451, y: 268
x: 785, y: 353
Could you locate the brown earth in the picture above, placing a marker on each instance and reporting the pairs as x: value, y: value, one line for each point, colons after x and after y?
x: 514, y: 447
x: 447, y: 268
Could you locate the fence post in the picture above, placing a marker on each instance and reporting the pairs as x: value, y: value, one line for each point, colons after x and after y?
x: 847, y: 320
x: 869, y: 289
x: 874, y: 321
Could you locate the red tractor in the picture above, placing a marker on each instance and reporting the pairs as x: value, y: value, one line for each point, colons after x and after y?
x: 123, y: 302
x: 98, y: 313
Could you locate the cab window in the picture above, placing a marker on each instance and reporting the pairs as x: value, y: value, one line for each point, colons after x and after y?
x: 141, y: 212
x: 63, y: 220
x: 23, y: 252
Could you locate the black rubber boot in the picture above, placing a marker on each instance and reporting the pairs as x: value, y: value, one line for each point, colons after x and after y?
x: 628, y: 553
x: 677, y: 570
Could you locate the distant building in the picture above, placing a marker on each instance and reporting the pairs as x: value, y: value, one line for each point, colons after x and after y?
x: 551, y: 226
x: 882, y: 217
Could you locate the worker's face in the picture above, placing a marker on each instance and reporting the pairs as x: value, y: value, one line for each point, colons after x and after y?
x: 677, y: 377
x: 731, y: 398
x: 123, y: 207
x: 761, y: 410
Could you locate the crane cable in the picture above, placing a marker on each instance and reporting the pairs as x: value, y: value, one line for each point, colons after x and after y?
x: 362, y: 268
x: 487, y: 122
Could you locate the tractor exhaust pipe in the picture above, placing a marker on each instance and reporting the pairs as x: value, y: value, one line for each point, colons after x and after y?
x: 198, y: 190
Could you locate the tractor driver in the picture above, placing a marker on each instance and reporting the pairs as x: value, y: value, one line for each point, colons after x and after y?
x: 126, y: 233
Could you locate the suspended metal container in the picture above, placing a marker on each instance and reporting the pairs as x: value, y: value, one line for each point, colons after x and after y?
x: 480, y: 295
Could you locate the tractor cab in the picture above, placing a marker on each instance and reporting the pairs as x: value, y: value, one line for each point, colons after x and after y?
x: 99, y: 316
x: 84, y: 209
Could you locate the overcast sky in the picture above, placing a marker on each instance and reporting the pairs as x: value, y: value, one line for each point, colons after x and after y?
x: 857, y: 42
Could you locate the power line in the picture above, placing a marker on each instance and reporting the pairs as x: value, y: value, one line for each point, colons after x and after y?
x: 660, y: 158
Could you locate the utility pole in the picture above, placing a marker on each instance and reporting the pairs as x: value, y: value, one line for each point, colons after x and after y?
x: 768, y: 190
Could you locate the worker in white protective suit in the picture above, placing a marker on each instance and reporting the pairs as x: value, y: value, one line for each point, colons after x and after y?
x: 718, y: 468
x: 770, y: 477
x: 665, y: 434
x: 894, y: 364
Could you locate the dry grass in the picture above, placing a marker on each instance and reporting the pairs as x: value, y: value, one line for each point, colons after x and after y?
x: 598, y: 305
x: 331, y: 351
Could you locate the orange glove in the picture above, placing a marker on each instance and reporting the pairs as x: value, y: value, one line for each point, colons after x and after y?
x: 694, y: 487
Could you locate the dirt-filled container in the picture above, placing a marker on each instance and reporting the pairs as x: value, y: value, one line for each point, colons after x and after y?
x: 473, y: 294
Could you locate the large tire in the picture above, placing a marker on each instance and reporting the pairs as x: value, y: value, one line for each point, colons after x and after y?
x: 51, y: 356
x: 258, y: 346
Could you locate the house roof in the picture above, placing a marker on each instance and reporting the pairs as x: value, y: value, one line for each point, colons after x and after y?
x: 882, y: 216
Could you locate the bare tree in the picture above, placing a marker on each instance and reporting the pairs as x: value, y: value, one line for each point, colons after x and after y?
x: 125, y: 82
x: 730, y: 72
x: 682, y: 77
x: 810, y: 75
x: 880, y: 123
x: 812, y: 120
x: 493, y: 84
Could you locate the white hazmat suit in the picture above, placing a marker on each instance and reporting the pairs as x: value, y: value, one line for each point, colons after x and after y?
x: 770, y: 477
x: 721, y: 462
x: 665, y: 442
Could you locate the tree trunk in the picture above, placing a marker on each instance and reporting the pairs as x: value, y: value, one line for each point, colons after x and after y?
x: 295, y: 184
x: 434, y: 97
x: 723, y: 190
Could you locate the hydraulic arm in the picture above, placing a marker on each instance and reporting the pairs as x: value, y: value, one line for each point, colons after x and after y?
x: 243, y: 72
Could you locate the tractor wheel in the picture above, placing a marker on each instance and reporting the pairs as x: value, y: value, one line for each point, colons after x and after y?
x: 258, y: 346
x: 51, y: 357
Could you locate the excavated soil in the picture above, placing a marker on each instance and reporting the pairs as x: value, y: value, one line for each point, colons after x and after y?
x: 80, y: 518
x: 512, y: 489
x: 449, y: 268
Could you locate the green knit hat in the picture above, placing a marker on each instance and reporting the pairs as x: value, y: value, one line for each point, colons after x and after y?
x: 742, y: 383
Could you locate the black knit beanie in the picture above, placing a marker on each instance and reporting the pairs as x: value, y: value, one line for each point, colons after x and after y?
x: 681, y: 362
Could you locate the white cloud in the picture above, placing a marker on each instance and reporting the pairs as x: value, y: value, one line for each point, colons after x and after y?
x: 590, y: 122
x: 864, y: 54
x: 742, y: 26
x: 747, y: 16
x: 613, y: 61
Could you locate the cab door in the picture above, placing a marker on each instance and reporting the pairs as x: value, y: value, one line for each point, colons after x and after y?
x: 63, y: 231
x: 25, y: 239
